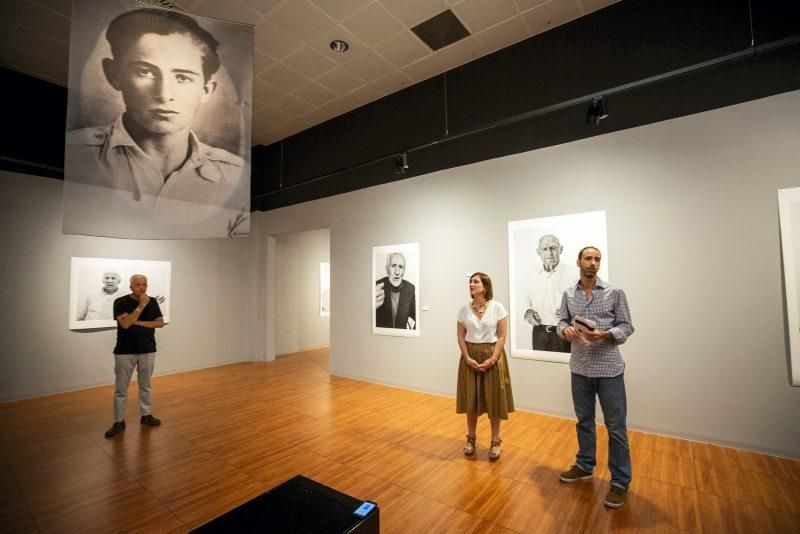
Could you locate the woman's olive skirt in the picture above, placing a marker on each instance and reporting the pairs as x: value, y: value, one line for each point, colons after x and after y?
x: 484, y: 392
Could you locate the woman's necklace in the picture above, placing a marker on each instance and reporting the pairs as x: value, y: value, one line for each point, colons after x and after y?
x: 478, y: 308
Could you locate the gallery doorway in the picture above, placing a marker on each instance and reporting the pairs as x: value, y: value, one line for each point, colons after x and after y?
x: 302, y: 293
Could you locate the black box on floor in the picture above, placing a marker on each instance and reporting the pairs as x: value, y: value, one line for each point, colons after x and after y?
x: 299, y: 505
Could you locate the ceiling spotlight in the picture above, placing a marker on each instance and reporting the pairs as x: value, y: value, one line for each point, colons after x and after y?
x: 598, y: 110
x: 401, y: 163
x: 339, y: 46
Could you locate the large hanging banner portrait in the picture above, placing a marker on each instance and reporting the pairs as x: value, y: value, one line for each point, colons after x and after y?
x: 542, y: 262
x: 394, y: 290
x: 789, y: 209
x: 95, y: 283
x: 158, y: 123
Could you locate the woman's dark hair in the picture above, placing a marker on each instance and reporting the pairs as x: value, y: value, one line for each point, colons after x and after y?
x: 487, y: 285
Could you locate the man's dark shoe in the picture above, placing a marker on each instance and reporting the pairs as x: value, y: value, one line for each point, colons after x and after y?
x: 149, y: 420
x: 616, y: 497
x: 115, y: 429
x: 574, y: 474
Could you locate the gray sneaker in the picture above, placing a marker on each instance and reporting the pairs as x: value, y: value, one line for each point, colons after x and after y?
x: 616, y: 497
x: 574, y: 474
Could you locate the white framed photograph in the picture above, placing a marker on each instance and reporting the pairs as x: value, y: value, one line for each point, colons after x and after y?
x: 95, y: 283
x: 542, y: 264
x: 789, y: 211
x: 394, y: 290
x: 144, y: 76
x: 324, y: 289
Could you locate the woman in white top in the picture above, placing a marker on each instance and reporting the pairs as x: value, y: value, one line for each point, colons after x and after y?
x: 484, y: 385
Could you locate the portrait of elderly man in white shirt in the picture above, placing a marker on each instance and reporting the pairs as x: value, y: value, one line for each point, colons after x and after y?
x: 163, y: 66
x: 100, y: 304
x: 543, y: 296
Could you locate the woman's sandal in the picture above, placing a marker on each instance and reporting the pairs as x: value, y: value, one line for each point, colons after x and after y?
x: 494, y: 450
x: 469, y: 446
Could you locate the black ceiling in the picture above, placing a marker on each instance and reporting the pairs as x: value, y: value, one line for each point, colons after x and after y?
x: 654, y: 60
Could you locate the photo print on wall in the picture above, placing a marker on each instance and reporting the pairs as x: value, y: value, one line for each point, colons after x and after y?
x: 324, y: 289
x: 95, y: 283
x: 158, y: 123
x: 542, y: 263
x: 789, y: 211
x: 394, y: 290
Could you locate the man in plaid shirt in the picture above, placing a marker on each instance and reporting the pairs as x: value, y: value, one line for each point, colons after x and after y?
x: 597, y: 371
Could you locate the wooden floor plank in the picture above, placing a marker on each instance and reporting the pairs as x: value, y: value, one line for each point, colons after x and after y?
x: 14, y: 513
x: 723, y: 515
x: 412, y: 512
x: 232, y: 432
x: 663, y: 467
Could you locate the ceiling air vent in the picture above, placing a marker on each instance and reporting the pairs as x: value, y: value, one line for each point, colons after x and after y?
x: 163, y: 3
x: 441, y: 30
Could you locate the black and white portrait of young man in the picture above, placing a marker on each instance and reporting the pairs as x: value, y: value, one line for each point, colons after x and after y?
x: 158, y: 136
x: 395, y: 290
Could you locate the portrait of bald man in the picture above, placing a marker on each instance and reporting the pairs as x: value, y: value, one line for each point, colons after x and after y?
x: 395, y: 297
x: 100, y: 304
x: 546, y: 285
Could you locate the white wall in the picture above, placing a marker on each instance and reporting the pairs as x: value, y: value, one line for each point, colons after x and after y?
x: 39, y: 354
x: 693, y: 239
x: 298, y: 325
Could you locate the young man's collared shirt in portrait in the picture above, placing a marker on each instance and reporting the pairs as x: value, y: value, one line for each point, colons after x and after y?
x: 198, y: 199
x: 108, y: 156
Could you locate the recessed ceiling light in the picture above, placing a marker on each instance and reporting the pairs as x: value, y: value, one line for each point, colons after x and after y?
x: 339, y: 46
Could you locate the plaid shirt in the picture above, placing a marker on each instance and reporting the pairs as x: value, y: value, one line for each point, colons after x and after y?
x: 609, y: 308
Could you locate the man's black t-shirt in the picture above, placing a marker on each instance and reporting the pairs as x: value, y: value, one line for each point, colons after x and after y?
x: 136, y: 339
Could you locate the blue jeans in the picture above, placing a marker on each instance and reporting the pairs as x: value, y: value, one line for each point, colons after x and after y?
x: 611, y: 392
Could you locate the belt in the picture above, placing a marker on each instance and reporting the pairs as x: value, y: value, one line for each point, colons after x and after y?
x: 549, y: 328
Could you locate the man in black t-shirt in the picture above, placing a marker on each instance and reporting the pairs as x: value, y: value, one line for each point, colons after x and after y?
x: 137, y: 318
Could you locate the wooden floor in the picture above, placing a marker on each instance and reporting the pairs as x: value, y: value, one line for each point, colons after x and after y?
x: 230, y: 433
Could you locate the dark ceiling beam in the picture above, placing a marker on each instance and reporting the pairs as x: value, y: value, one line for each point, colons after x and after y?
x: 32, y: 140
x: 684, y: 56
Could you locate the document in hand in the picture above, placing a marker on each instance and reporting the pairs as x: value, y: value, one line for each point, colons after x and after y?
x: 582, y: 326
